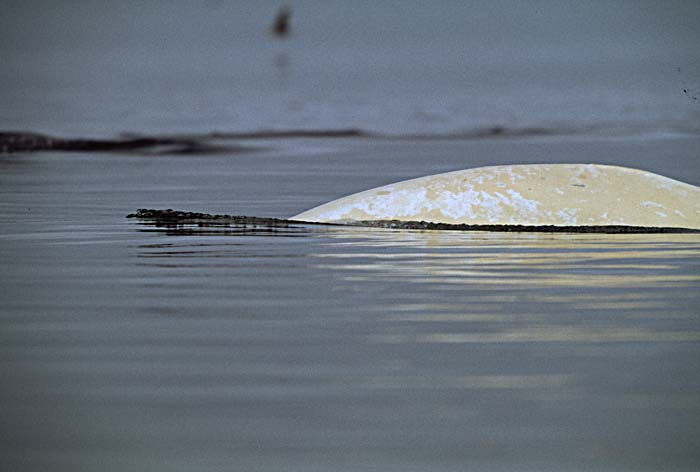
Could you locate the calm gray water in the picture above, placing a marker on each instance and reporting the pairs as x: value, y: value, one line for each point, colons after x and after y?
x: 94, y: 67
x: 124, y: 346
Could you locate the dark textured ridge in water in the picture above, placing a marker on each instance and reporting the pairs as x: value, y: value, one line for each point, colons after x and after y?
x: 612, y: 229
x: 173, y: 217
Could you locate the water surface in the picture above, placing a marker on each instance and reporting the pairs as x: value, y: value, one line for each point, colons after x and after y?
x: 127, y: 346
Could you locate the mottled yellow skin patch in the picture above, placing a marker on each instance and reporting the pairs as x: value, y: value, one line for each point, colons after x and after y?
x: 542, y: 194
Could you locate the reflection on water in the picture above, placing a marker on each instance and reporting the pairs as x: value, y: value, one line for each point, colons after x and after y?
x: 515, y: 287
x: 529, y: 287
x: 433, y: 287
x: 339, y: 348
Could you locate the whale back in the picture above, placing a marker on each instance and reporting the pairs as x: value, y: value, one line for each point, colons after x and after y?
x: 530, y: 195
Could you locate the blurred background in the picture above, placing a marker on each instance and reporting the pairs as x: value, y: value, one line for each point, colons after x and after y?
x: 97, y: 68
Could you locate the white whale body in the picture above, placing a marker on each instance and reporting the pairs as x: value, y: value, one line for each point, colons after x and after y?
x: 529, y: 195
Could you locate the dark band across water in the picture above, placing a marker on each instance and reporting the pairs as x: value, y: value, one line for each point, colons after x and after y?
x: 173, y: 217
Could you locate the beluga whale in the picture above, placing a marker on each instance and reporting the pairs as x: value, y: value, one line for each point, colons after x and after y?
x: 555, y: 196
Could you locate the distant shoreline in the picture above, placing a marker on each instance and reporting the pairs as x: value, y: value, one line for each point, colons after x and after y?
x: 224, y: 142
